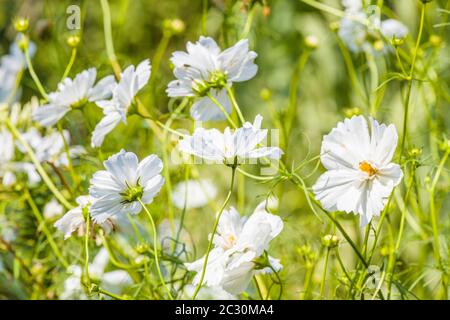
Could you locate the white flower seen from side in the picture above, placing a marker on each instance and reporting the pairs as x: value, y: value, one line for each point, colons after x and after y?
x: 362, y: 30
x: 238, y: 243
x: 115, y: 110
x: 230, y: 146
x: 205, y: 69
x: 125, y: 181
x: 360, y: 173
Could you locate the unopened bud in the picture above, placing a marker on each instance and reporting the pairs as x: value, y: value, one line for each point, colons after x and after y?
x: 73, y: 41
x: 330, y: 241
x: 21, y: 24
x: 311, y: 42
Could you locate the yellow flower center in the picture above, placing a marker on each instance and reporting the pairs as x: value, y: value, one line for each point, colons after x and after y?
x: 367, y: 168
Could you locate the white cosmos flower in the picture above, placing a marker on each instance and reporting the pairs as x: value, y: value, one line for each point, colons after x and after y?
x: 193, y: 193
x: 11, y: 65
x: 125, y: 180
x: 360, y: 29
x: 113, y: 281
x: 226, y: 147
x: 73, y: 93
x: 51, y: 147
x: 360, y: 174
x: 237, y: 244
x: 392, y: 28
x: 204, y: 68
x: 115, y: 110
x: 8, y: 167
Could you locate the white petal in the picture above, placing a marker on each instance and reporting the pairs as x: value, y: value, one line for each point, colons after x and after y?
x: 49, y: 114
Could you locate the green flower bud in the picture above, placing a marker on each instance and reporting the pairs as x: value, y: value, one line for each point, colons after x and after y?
x: 311, y: 42
x: 352, y: 111
x: 73, y: 41
x: 415, y: 152
x: 175, y: 26
x: 21, y: 24
x: 265, y: 94
x: 435, y: 40
x: 330, y: 241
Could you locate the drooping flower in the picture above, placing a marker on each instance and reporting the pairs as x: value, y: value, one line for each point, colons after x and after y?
x: 115, y: 110
x: 204, y: 69
x: 238, y: 244
x: 73, y: 94
x: 113, y: 281
x: 193, y: 193
x: 363, y: 31
x: 360, y: 175
x: 230, y: 147
x: 125, y: 181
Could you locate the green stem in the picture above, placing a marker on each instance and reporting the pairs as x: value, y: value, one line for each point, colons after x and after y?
x: 70, y: 64
x: 410, y: 82
x: 47, y: 233
x: 37, y: 164
x: 222, y: 109
x: 86, y: 250
x: 33, y: 74
x: 108, y: 38
x: 216, y: 223
x: 235, y: 104
x: 155, y: 248
x: 324, y: 272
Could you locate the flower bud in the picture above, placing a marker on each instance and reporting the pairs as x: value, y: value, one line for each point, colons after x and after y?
x: 142, y: 248
x: 330, y: 241
x: 378, y: 45
x: 415, y: 152
x: 311, y: 42
x: 175, y: 26
x: 435, y: 40
x: 397, y: 41
x: 23, y: 42
x: 73, y: 41
x: 352, y: 111
x: 21, y: 24
x: 265, y: 94
x: 445, y: 145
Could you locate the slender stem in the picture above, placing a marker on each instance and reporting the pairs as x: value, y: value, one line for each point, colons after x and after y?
x: 108, y: 38
x: 47, y: 233
x: 330, y: 216
x: 162, y: 46
x: 216, y: 223
x: 155, y: 248
x: 86, y: 250
x: 221, y: 107
x: 324, y: 272
x: 110, y: 294
x: 258, y: 289
x: 204, y: 15
x: 434, y: 219
x: 37, y: 164
x: 33, y: 74
x: 235, y: 104
x: 248, y: 22
x: 69, y: 159
x: 410, y: 82
x: 70, y: 64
